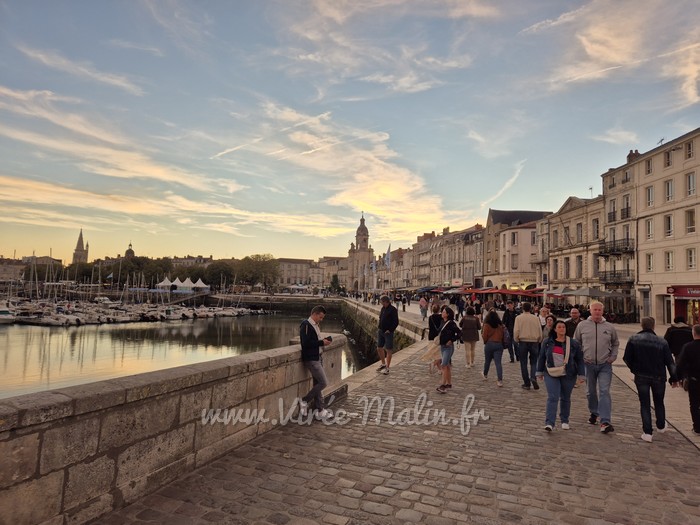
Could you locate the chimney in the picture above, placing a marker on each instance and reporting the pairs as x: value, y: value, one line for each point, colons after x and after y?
x: 633, y: 155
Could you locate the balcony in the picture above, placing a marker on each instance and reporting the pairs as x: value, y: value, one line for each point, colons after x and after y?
x: 612, y: 216
x: 606, y: 249
x: 617, y: 277
x: 539, y: 258
x: 626, y: 213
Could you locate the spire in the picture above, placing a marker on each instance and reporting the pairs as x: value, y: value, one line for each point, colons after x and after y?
x: 80, y: 246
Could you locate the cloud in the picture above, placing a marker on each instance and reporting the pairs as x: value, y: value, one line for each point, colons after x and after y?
x: 617, y: 136
x: 123, y: 44
x: 564, y: 18
x: 83, y: 70
x: 518, y: 170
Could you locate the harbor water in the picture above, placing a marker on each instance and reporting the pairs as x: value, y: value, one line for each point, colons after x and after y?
x: 38, y: 358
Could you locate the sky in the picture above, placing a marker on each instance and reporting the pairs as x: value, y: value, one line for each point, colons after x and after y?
x: 237, y: 128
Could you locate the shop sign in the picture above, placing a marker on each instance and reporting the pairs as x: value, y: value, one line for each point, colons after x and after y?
x: 684, y: 291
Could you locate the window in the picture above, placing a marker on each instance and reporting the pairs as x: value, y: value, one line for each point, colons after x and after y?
x: 489, y: 265
x: 595, y: 226
x: 690, y: 184
x: 579, y: 266
x: 533, y: 238
x: 567, y: 268
x: 626, y: 176
x: 690, y: 221
x: 626, y: 232
x: 579, y: 232
x: 649, y: 229
x: 668, y: 190
x: 650, y: 262
x: 555, y: 240
x: 514, y: 238
x: 667, y: 159
x: 503, y: 237
x: 612, y: 235
x: 691, y: 259
x: 668, y: 261
x: 668, y: 225
x: 650, y: 196
x: 555, y: 269
x: 596, y: 266
x: 689, y: 152
x: 613, y: 206
x: 514, y: 261
x: 647, y: 167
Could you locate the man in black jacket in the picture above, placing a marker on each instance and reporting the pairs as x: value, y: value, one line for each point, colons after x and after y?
x: 677, y: 335
x: 388, y: 322
x: 648, y: 356
x: 311, y: 344
x: 509, y: 321
x: 688, y: 367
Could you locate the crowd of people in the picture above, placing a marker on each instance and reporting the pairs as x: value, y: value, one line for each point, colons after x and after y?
x: 562, y: 354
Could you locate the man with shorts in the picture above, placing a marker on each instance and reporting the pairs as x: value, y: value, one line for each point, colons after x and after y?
x: 388, y: 322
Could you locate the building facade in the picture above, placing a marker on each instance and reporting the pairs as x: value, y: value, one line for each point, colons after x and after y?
x: 517, y: 246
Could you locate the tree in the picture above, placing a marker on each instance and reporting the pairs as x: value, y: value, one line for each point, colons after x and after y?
x: 257, y: 269
x: 335, y: 284
x: 219, y: 273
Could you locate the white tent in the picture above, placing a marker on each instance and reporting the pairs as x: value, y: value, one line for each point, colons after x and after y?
x: 187, y: 285
x: 200, y: 284
x: 177, y: 282
x: 165, y: 283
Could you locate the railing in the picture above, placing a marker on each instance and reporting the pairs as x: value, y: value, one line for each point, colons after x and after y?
x: 616, y: 247
x: 612, y: 216
x: 626, y: 213
x: 536, y: 258
x: 617, y: 276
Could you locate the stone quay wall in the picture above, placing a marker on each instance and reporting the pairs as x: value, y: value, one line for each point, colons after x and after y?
x: 73, y: 454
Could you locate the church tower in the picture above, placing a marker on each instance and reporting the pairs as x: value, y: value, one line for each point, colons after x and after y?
x: 80, y: 254
x: 360, y: 257
x: 362, y: 235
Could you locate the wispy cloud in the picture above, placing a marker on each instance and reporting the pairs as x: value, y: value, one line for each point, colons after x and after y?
x: 518, y: 170
x: 617, y: 136
x: 564, y: 18
x: 83, y: 70
x: 124, y: 44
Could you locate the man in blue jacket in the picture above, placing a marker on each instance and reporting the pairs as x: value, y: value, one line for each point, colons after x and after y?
x: 648, y: 356
x: 311, y: 344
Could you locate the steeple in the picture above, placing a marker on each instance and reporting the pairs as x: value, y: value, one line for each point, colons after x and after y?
x: 80, y: 254
x: 362, y: 235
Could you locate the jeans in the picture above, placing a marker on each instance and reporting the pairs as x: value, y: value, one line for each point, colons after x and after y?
x: 599, y: 378
x: 320, y: 382
x: 658, y: 389
x: 446, y: 353
x: 512, y: 348
x: 533, y: 349
x: 493, y: 352
x: 558, y: 394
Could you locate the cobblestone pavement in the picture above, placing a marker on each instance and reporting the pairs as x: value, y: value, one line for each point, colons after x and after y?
x: 506, y: 469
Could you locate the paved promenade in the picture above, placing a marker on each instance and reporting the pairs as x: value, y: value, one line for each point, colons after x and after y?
x: 505, y: 469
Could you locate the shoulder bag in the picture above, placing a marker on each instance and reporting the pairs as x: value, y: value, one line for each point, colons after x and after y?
x: 560, y: 371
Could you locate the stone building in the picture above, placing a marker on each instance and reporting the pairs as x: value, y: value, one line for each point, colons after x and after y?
x: 80, y: 254
x: 517, y: 246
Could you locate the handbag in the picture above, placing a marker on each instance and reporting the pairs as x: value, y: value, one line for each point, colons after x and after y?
x: 560, y: 371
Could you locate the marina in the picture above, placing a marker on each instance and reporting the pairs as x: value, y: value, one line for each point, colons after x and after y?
x: 38, y: 358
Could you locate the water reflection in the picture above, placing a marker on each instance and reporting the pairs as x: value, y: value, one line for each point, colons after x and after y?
x: 35, y: 358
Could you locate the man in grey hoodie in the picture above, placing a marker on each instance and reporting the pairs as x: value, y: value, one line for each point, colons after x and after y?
x: 600, y: 344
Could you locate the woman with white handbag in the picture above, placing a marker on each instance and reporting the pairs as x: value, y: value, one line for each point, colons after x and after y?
x: 559, y: 363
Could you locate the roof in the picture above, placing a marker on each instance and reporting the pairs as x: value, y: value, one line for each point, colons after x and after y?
x: 515, y: 217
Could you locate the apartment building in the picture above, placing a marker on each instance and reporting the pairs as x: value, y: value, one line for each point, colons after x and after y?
x: 666, y: 206
x: 517, y: 246
x: 421, y: 260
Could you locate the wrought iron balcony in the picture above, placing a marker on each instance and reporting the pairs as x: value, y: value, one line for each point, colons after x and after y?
x: 612, y: 216
x: 617, y: 276
x: 617, y: 247
x: 626, y: 213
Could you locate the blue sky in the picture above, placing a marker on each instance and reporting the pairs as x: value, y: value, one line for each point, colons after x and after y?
x: 233, y: 128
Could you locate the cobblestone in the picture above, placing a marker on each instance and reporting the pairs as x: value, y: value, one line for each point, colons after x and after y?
x: 504, y: 470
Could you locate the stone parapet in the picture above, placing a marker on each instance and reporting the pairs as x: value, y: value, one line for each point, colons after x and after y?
x: 73, y: 454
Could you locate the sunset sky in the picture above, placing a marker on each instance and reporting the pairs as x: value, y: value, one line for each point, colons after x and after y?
x: 241, y: 127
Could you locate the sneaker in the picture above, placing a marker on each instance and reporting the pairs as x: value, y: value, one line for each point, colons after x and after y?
x: 499, y: 383
x: 535, y: 385
x: 606, y: 428
x: 324, y: 414
x: 303, y: 408
x: 484, y: 376
x: 448, y: 385
x: 696, y: 431
x: 662, y: 430
x: 646, y: 437
x: 565, y: 426
x: 593, y: 419
x: 548, y: 428
x: 441, y: 389
x: 385, y: 371
x: 525, y: 387
x: 382, y: 367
